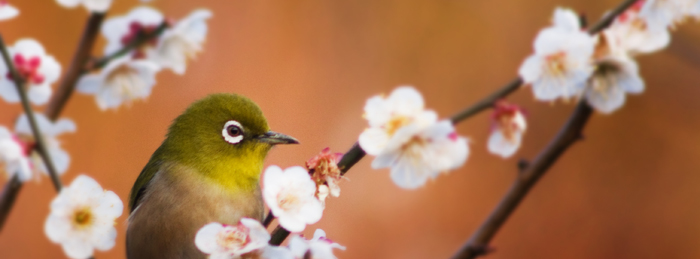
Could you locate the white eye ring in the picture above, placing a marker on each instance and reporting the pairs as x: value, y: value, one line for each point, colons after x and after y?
x: 233, y: 139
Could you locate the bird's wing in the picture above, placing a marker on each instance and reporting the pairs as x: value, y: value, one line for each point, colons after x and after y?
x: 142, y: 181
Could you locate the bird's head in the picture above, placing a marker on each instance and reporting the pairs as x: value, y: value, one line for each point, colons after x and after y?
x: 224, y: 136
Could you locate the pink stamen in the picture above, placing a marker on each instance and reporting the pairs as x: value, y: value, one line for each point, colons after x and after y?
x: 28, y: 69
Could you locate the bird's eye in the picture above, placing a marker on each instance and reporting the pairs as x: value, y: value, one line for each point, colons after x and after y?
x: 232, y: 132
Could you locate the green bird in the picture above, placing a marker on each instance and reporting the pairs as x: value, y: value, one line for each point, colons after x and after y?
x: 206, y: 170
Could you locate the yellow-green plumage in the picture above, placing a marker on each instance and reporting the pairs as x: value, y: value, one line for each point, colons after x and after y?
x: 196, y: 177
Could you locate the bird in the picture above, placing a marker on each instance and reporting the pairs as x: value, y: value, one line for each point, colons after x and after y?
x: 206, y: 170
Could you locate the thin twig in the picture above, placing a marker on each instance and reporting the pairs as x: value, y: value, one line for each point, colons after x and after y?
x: 268, y: 219
x: 142, y: 39
x: 9, y: 194
x: 77, y: 66
x: 58, y: 101
x: 20, y: 83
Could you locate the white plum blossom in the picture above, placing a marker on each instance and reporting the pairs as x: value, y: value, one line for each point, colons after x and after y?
x: 122, y: 30
x: 386, y: 115
x: 49, y: 131
x: 633, y: 34
x: 406, y: 137
x: 14, y: 154
x: 561, y: 62
x: 290, y: 196
x: 121, y: 81
x: 35, y: 66
x: 508, y: 128
x: 221, y: 241
x: 99, y: 6
x: 668, y: 13
x: 82, y: 218
x: 7, y: 11
x: 319, y: 247
x: 181, y: 42
x: 418, y: 152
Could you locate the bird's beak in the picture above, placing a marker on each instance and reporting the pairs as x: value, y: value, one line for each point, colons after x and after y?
x: 274, y: 138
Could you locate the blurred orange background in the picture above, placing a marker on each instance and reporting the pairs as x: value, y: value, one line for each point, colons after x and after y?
x: 630, y: 190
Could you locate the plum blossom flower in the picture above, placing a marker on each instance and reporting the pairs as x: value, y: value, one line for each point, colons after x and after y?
x: 325, y: 173
x: 50, y: 132
x: 35, y: 66
x: 181, y: 42
x: 561, y: 62
x: 386, y: 115
x: 290, y: 196
x: 7, y: 11
x: 668, y: 13
x: 82, y: 218
x: 418, y: 152
x: 319, y: 247
x: 616, y: 75
x: 406, y: 137
x: 99, y: 6
x: 122, y: 30
x: 14, y: 154
x: 508, y: 129
x: 633, y: 34
x: 226, y: 241
x: 121, y: 81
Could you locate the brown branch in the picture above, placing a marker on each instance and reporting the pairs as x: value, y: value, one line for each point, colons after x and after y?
x: 9, y: 194
x: 40, y: 146
x: 568, y: 135
x: 77, y: 67
x: 57, y: 102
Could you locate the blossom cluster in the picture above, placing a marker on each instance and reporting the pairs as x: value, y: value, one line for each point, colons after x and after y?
x: 141, y: 43
x: 571, y: 63
x: 249, y: 237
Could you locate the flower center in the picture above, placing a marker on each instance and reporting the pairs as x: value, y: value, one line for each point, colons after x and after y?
x: 27, y: 68
x: 126, y: 80
x: 232, y: 238
x: 556, y: 64
x: 26, y: 145
x: 288, y: 202
x: 508, y: 127
x: 395, y: 124
x: 83, y: 218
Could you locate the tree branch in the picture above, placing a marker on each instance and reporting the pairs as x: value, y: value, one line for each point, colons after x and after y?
x: 77, y: 66
x: 21, y: 85
x: 58, y: 101
x: 569, y: 134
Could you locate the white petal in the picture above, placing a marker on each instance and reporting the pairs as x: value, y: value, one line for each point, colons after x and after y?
x: 298, y: 246
x: 7, y: 12
x: 60, y: 158
x: 205, y: 240
x: 39, y: 94
x: 408, y: 174
x: 110, y: 205
x: 276, y: 252
x: 99, y: 6
x: 531, y: 69
x: 566, y: 19
x: 373, y: 140
x: 406, y: 100
x: 69, y: 3
x: 8, y: 91
x: 76, y: 248
x: 29, y: 47
x: 50, y: 68
x: 291, y: 224
x: 56, y: 228
x: 376, y: 111
x: 312, y: 211
x: 499, y: 145
x: 106, y: 240
x: 258, y: 234
x: 318, y: 234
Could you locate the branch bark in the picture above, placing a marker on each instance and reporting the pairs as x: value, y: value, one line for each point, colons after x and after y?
x: 568, y: 135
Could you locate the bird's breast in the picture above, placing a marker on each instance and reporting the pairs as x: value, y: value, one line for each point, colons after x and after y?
x: 177, y: 203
